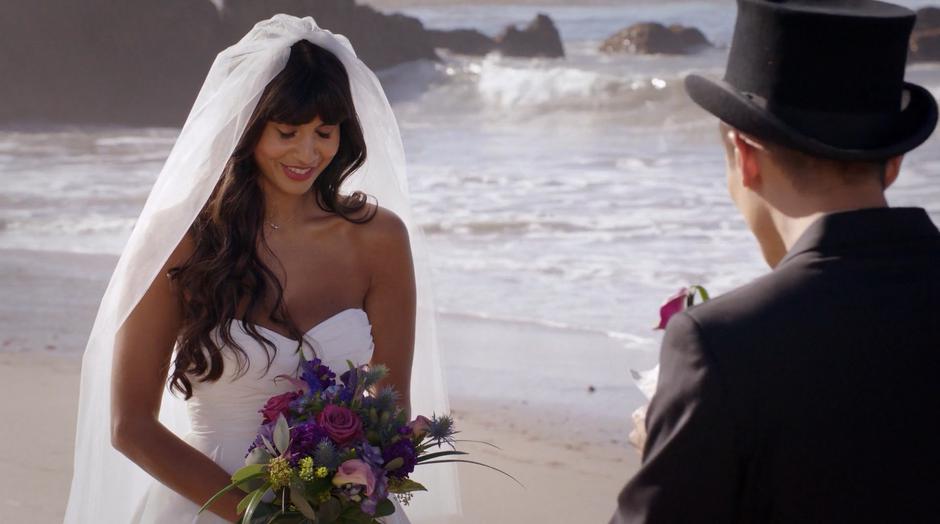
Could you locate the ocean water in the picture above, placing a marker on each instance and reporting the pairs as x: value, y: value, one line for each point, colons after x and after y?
x: 576, y: 193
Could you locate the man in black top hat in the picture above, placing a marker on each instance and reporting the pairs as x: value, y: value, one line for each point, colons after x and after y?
x: 813, y: 393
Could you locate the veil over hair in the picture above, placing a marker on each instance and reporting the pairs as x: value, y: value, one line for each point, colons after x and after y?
x: 106, y: 486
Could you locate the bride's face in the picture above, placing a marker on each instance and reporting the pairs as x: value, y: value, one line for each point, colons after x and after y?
x: 291, y: 157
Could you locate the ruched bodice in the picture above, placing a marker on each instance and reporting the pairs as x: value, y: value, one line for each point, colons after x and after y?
x: 224, y: 414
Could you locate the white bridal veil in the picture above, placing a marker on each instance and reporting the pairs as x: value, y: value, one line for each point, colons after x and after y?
x: 106, y: 486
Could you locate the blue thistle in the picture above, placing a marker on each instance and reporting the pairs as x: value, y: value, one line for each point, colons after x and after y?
x: 386, y: 399
x: 441, y: 429
x: 327, y: 455
x: 373, y: 375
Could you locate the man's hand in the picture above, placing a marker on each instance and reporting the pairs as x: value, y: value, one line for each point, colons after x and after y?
x: 637, y: 437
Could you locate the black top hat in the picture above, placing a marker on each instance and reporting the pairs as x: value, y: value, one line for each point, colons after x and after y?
x: 825, y: 77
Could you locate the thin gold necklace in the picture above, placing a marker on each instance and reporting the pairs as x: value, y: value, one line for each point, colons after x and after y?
x: 276, y: 227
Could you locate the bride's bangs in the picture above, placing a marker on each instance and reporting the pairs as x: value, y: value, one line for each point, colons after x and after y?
x: 313, y: 84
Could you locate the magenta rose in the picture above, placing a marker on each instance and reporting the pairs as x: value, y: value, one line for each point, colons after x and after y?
x: 341, y: 424
x: 673, y: 305
x: 278, y: 405
x: 682, y: 300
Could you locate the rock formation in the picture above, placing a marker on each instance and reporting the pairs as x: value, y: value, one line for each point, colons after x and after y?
x: 463, y: 41
x: 539, y: 39
x: 925, y: 40
x: 652, y: 38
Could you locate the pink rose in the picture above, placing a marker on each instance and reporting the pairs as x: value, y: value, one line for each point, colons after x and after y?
x: 277, y: 405
x: 341, y: 424
x: 419, y: 426
x: 673, y: 305
x: 355, y: 472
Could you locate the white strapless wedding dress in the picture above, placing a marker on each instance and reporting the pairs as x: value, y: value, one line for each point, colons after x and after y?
x: 224, y: 414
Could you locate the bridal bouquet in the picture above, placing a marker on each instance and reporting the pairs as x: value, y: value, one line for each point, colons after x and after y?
x: 331, y: 453
x: 646, y: 380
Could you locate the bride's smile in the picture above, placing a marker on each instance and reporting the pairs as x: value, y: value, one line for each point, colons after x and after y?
x: 291, y: 157
x: 300, y: 174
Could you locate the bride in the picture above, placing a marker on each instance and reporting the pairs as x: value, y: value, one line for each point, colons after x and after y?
x: 257, y: 247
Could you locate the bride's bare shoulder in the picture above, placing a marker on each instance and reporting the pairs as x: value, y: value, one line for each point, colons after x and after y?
x: 384, y: 232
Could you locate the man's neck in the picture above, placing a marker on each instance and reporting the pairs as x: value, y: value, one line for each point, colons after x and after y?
x: 791, y: 226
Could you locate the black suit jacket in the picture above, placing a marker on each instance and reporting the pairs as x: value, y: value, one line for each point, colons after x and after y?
x: 810, y: 395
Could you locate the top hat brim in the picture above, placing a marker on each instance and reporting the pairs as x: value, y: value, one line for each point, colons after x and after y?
x: 909, y: 128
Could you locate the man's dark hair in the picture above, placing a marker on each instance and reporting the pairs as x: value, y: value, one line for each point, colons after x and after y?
x: 804, y: 170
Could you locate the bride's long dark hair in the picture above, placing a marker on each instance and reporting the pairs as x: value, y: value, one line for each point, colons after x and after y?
x: 225, y: 269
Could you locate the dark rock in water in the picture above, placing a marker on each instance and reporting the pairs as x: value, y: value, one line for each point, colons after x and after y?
x: 927, y: 18
x: 463, y: 41
x: 141, y: 63
x: 925, y: 46
x: 652, y: 38
x: 925, y: 40
x: 539, y: 39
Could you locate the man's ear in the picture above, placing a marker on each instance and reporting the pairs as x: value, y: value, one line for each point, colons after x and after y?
x: 746, y: 159
x: 892, y: 169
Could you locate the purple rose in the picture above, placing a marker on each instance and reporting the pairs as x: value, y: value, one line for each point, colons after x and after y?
x: 278, y: 405
x: 341, y: 424
x: 405, y: 450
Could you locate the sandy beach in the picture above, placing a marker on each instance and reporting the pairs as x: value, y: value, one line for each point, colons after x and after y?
x: 571, y: 464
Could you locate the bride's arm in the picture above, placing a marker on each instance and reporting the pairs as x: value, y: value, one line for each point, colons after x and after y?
x: 143, y: 349
x: 390, y: 301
